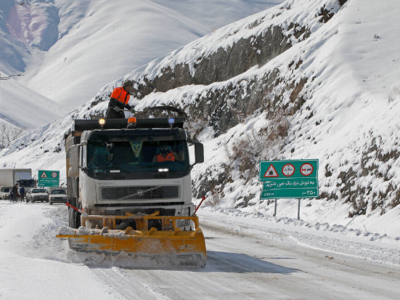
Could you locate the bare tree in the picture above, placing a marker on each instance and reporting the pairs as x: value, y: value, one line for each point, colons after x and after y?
x: 9, y: 133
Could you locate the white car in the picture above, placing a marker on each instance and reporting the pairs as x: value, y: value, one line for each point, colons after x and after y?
x: 5, y: 193
x: 37, y: 194
x: 58, y: 196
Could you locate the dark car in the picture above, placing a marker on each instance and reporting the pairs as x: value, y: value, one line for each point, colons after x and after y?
x: 58, y: 196
x: 35, y: 195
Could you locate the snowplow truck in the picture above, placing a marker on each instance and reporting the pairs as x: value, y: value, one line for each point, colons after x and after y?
x: 129, y: 189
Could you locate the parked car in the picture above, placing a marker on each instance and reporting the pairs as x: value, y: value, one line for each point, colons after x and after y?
x: 37, y: 195
x: 58, y: 196
x: 5, y: 193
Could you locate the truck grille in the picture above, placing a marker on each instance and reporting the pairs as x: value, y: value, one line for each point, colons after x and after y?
x: 140, y: 192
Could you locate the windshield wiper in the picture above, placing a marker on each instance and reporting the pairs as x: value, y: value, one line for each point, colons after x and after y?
x: 103, y: 168
x: 110, y: 168
x: 145, y: 167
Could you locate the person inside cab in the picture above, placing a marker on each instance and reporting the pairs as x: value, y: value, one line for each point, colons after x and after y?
x: 165, y: 153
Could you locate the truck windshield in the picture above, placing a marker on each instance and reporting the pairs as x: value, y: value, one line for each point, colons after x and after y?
x: 137, y: 156
x: 27, y: 183
x: 38, y: 191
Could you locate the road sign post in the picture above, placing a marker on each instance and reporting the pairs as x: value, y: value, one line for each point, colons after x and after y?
x: 48, y: 178
x: 298, y: 211
x: 294, y: 179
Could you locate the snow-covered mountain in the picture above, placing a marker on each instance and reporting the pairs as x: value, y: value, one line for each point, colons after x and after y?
x: 306, y: 79
x: 69, y: 49
x: 26, y: 108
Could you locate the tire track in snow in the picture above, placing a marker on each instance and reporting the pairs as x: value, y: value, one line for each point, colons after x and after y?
x: 128, y: 286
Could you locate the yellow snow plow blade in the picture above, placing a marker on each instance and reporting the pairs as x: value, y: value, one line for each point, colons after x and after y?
x: 188, y: 246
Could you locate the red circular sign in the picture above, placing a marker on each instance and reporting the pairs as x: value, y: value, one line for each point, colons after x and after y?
x: 306, y: 169
x: 54, y: 175
x: 288, y: 170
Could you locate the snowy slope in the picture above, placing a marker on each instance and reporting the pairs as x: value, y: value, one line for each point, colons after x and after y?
x: 338, y: 89
x: 70, y: 49
x: 26, y: 108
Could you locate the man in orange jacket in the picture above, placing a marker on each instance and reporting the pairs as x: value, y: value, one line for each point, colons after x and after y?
x: 166, y: 154
x: 119, y: 101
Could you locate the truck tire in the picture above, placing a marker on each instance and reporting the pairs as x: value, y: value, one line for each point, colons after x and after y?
x: 78, y: 217
x: 71, y: 218
x: 74, y: 218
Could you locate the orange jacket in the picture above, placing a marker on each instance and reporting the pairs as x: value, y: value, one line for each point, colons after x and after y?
x: 170, y: 157
x: 121, y: 95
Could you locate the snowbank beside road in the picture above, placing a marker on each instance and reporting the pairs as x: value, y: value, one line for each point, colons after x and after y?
x: 374, y: 247
x: 32, y: 260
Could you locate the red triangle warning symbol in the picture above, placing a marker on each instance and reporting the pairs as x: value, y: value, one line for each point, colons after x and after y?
x: 271, y: 172
x: 43, y: 175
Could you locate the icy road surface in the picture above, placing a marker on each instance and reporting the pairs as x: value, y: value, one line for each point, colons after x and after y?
x: 244, y: 262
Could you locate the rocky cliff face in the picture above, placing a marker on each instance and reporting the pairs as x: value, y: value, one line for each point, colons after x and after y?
x: 224, y: 63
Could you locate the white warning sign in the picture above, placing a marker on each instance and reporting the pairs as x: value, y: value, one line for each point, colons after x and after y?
x: 271, y: 172
x: 43, y: 175
x: 288, y: 170
x: 306, y: 169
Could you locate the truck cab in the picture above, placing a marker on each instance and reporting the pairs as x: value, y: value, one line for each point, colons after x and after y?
x: 140, y: 167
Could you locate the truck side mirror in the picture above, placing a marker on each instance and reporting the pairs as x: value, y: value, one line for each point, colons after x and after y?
x: 199, y: 153
x: 73, y: 161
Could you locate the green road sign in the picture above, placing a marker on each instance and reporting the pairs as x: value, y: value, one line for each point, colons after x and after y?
x: 289, y: 179
x: 49, y: 178
x: 289, y: 193
x: 290, y: 184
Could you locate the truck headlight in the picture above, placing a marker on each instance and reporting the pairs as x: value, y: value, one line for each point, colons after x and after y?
x: 185, y: 213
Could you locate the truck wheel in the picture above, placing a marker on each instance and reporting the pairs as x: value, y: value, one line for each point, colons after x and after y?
x: 78, y: 220
x: 74, y: 219
x: 71, y: 218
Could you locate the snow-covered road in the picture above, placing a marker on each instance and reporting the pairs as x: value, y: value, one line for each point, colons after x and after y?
x: 243, y: 263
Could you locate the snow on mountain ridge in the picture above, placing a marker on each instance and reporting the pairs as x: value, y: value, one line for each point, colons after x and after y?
x: 70, y: 49
x: 35, y: 23
x: 252, y: 41
x: 25, y: 108
x: 62, y: 44
x: 24, y: 25
x: 304, y: 13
